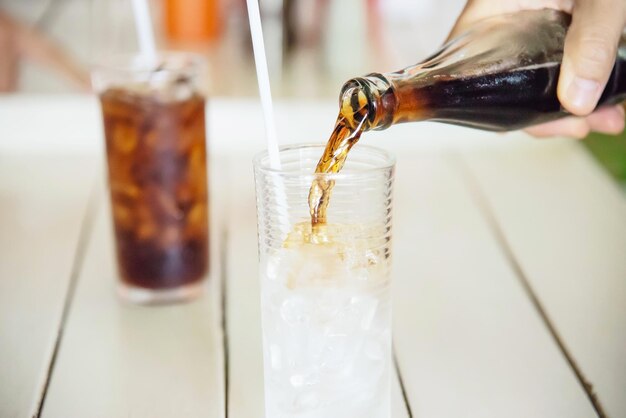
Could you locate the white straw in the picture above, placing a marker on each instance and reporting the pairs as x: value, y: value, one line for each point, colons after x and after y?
x: 263, y: 80
x: 145, y: 33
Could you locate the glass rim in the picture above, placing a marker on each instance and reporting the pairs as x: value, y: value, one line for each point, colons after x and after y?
x: 388, y: 162
x: 123, y: 62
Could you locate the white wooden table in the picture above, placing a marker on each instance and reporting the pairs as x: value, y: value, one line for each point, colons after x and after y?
x: 509, y: 275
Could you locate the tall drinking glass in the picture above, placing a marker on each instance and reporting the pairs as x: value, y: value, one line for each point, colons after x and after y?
x: 154, y: 126
x: 325, y: 293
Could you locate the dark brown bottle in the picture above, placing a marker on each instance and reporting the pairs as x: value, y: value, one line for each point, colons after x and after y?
x: 501, y: 75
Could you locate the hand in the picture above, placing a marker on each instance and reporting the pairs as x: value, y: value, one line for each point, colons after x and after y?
x: 20, y: 41
x: 8, y: 56
x: 589, y: 55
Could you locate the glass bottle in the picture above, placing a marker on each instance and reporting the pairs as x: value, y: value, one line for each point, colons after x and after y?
x: 500, y: 75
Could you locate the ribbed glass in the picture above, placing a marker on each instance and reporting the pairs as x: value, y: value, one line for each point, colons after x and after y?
x: 325, y: 295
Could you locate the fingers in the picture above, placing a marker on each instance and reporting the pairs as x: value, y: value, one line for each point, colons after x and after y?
x: 9, y: 57
x: 608, y: 120
x: 475, y: 10
x: 570, y: 127
x: 589, y: 53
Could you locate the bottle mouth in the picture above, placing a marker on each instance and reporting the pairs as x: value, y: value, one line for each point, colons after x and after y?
x: 380, y: 99
x: 350, y: 91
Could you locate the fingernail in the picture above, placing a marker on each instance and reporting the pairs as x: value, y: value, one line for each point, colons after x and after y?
x: 583, y: 92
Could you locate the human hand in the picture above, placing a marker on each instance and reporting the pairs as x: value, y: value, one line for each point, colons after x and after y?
x: 589, y: 55
x: 21, y: 41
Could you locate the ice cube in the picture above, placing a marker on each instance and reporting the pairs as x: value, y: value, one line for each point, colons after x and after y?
x: 334, y: 356
x: 170, y: 236
x: 296, y: 310
x: 124, y: 137
x: 307, y: 400
x: 166, y: 203
x: 146, y: 231
x: 125, y: 190
x: 373, y: 257
x: 308, y: 377
x: 275, y: 357
x: 146, y: 225
x: 296, y: 380
x: 374, y: 350
x: 315, y: 266
x: 185, y: 195
x: 197, y: 216
x: 275, y: 301
x: 197, y: 160
x: 328, y: 306
x: 123, y: 216
x: 182, y: 91
x: 367, y: 307
x: 272, y: 265
x: 151, y: 140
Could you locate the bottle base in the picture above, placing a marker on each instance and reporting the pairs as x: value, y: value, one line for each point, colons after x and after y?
x: 144, y: 296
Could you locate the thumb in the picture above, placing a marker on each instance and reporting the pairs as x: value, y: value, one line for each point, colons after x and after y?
x: 589, y: 53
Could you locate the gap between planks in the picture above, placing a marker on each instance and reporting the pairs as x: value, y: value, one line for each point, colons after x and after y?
x: 460, y: 165
x: 223, y: 308
x: 405, y: 396
x: 225, y: 193
x: 86, y: 229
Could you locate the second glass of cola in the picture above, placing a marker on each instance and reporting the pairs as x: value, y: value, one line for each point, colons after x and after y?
x: 154, y: 124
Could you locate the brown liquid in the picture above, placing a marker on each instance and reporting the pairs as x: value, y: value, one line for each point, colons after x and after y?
x: 498, y: 101
x: 350, y: 124
x: 157, y: 175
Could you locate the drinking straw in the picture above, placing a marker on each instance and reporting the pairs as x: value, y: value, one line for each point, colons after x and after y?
x: 263, y: 80
x: 145, y: 32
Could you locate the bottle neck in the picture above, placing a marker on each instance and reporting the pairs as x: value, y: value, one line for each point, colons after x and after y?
x: 381, y: 98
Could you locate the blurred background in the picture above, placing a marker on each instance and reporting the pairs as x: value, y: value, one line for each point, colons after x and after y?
x: 312, y: 45
x: 46, y: 46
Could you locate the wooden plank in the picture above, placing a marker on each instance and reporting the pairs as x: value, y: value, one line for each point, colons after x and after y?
x: 318, y: 117
x: 43, y: 203
x: 468, y: 340
x: 565, y: 220
x: 243, y: 310
x: 118, y: 360
x: 50, y: 124
x: 76, y: 122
